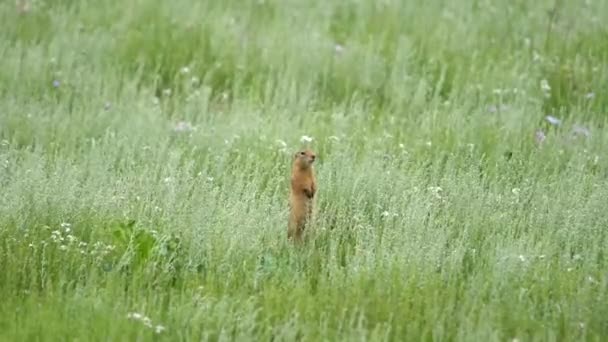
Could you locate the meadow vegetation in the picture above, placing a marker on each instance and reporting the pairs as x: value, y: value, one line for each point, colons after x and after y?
x: 462, y: 165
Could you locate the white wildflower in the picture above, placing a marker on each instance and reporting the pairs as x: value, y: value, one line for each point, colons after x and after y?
x: 544, y: 85
x: 134, y: 315
x: 306, y: 139
x: 159, y: 329
x: 436, y: 190
x: 147, y: 321
x: 185, y: 70
x: 553, y: 120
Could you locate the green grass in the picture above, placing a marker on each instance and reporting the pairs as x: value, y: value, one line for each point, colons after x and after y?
x: 440, y: 216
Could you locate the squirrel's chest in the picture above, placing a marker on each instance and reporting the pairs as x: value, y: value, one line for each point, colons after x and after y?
x: 305, y: 187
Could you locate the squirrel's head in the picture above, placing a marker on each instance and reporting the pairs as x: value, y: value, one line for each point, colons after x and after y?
x: 304, y: 158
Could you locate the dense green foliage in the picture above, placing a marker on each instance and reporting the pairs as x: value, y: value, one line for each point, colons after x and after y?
x: 145, y: 150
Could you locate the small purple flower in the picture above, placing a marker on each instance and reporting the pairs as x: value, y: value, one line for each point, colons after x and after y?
x: 56, y: 83
x: 499, y: 108
x: 183, y: 126
x: 539, y: 136
x: 553, y: 120
x: 581, y: 130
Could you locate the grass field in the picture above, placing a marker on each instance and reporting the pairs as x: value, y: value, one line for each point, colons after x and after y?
x: 462, y: 165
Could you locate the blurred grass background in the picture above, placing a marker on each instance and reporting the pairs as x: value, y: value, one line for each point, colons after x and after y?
x: 145, y: 152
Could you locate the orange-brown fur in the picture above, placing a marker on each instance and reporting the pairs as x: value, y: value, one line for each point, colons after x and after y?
x: 303, y: 190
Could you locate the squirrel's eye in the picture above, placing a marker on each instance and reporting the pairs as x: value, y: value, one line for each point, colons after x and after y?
x: 302, y: 153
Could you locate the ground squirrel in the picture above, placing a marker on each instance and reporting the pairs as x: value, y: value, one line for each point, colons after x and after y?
x: 301, y: 197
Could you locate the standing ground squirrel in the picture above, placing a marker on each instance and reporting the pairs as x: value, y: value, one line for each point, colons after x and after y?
x: 301, y: 197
